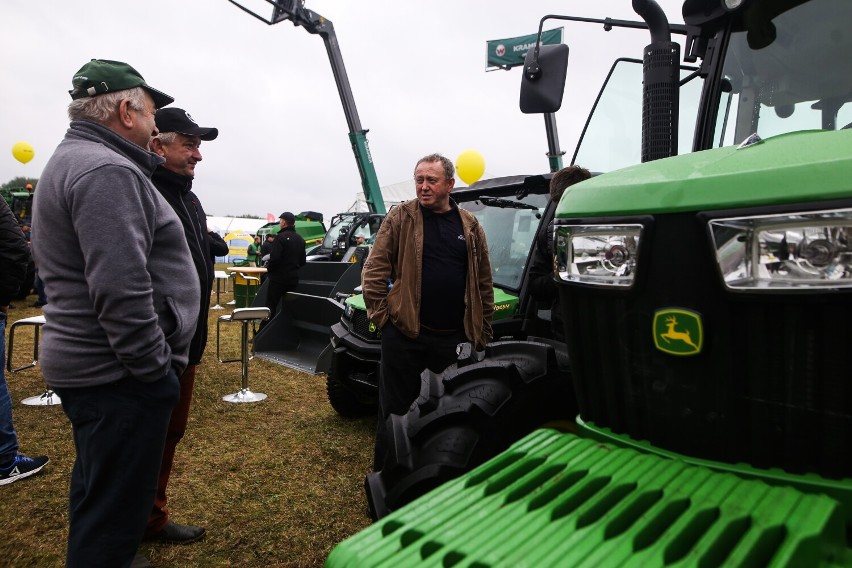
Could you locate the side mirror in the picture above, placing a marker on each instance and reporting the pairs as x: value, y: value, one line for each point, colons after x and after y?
x: 543, y: 82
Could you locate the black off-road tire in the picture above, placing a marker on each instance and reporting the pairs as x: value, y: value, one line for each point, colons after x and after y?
x: 469, y: 413
x: 346, y: 402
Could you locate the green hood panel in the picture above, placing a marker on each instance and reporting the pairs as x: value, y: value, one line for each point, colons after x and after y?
x: 505, y: 305
x: 800, y: 166
x: 357, y: 302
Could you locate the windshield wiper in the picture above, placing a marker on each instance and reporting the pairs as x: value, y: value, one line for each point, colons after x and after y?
x: 506, y: 203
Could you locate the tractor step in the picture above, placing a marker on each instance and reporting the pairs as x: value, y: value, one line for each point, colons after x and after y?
x: 557, y: 499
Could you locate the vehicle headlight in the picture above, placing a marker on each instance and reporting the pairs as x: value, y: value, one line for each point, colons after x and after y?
x: 785, y: 251
x: 602, y: 255
x: 347, y: 310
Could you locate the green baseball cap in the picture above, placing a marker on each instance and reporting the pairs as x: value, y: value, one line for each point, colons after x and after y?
x: 100, y: 76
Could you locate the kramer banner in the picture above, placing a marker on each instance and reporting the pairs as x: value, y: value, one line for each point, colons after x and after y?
x: 510, y: 52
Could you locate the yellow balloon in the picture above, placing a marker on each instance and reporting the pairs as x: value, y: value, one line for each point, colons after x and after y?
x: 470, y: 165
x: 23, y: 152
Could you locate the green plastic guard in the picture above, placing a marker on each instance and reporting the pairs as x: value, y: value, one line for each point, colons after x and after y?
x: 557, y: 499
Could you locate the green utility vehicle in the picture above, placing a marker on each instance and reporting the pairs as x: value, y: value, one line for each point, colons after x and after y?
x: 703, y: 296
x: 20, y: 201
x: 511, y: 210
x: 340, y: 242
x: 309, y: 225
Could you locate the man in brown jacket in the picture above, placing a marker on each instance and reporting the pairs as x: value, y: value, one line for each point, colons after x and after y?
x: 427, y: 286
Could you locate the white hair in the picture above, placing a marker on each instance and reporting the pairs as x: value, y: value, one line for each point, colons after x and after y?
x: 101, y: 108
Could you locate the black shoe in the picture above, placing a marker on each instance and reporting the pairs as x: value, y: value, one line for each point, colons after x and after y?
x: 177, y: 534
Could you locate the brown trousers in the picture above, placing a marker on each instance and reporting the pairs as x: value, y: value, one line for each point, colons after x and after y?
x: 177, y: 428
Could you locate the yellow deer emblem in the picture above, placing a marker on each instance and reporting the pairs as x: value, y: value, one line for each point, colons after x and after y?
x: 674, y: 335
x: 678, y: 331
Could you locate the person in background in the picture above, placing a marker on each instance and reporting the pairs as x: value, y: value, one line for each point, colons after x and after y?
x: 435, y: 256
x: 14, y: 255
x: 254, y: 251
x: 286, y: 257
x: 542, y: 286
x: 122, y: 309
x: 179, y: 142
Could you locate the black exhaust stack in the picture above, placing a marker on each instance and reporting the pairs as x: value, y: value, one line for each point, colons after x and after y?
x: 661, y: 75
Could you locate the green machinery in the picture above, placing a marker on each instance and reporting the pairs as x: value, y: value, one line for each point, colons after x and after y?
x: 703, y: 292
x: 20, y: 201
x: 297, y: 336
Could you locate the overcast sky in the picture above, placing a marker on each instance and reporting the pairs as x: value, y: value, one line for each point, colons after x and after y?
x: 417, y: 72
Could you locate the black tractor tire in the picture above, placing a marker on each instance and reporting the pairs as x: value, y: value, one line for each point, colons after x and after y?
x: 469, y: 413
x: 346, y: 402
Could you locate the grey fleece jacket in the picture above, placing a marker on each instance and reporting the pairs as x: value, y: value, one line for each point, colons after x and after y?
x: 115, y: 263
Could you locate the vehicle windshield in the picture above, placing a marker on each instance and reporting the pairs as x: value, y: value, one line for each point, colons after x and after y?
x: 510, y: 226
x: 785, y: 73
x: 612, y: 138
x: 337, y: 224
x: 788, y: 72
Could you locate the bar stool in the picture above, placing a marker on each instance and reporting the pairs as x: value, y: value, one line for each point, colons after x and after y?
x: 220, y: 275
x: 48, y: 397
x: 244, y: 316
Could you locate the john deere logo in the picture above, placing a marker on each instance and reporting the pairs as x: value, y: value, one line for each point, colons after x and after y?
x: 372, y: 327
x: 678, y: 331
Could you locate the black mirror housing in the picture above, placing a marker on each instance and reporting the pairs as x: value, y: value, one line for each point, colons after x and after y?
x: 543, y: 82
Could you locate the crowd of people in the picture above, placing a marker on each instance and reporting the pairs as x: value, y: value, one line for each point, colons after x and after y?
x: 127, y: 389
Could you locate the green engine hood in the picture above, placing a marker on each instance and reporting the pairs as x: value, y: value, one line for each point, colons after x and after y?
x: 505, y: 305
x: 796, y: 167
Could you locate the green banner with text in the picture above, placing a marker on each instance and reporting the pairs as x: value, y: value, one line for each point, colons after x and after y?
x: 510, y: 52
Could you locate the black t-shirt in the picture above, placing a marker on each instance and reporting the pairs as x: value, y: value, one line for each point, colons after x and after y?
x: 444, y: 270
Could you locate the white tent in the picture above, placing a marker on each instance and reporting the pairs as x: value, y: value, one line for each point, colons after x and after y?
x: 226, y: 226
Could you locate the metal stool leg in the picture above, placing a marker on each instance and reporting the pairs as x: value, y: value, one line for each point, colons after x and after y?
x: 48, y: 397
x: 244, y: 316
x: 218, y: 306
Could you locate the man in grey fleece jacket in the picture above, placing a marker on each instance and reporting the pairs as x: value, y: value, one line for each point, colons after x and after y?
x: 123, y: 306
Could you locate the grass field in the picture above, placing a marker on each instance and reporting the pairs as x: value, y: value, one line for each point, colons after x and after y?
x: 276, y: 483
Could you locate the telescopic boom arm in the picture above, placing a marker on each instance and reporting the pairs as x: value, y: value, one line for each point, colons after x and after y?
x: 295, y: 11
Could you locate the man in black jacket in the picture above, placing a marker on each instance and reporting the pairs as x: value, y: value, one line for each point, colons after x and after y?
x: 285, y: 258
x: 14, y: 254
x: 542, y: 286
x: 179, y: 143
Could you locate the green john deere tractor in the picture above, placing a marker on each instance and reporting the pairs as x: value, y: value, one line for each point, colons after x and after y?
x: 703, y: 292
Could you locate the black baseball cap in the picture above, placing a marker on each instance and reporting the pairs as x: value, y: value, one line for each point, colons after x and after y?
x: 289, y: 217
x: 100, y: 76
x: 175, y: 119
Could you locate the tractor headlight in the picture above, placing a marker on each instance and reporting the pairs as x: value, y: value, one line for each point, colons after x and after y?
x: 787, y: 251
x: 602, y: 255
x: 347, y: 310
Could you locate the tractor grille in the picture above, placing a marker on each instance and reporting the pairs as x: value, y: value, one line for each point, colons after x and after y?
x: 771, y: 388
x: 360, y: 326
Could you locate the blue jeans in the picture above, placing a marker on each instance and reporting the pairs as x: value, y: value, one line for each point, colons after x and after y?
x: 39, y: 286
x: 119, y: 433
x: 8, y: 437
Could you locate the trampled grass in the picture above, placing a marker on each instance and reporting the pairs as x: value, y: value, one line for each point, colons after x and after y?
x: 276, y: 483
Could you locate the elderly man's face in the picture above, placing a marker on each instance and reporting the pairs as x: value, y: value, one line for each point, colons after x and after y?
x: 182, y: 154
x: 433, y: 188
x: 144, y: 127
